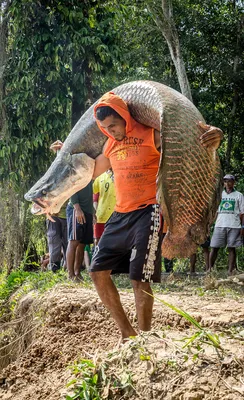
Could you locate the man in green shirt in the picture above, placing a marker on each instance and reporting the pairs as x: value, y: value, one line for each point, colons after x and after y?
x: 80, y: 225
x: 80, y: 229
x: 57, y: 239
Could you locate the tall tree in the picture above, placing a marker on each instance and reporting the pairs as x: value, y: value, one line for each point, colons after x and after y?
x: 3, y: 57
x: 58, y: 52
x: 165, y: 22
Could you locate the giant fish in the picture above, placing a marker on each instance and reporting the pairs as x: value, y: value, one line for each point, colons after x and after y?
x: 188, y: 179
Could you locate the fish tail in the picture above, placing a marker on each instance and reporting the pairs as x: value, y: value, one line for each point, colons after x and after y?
x: 173, y: 245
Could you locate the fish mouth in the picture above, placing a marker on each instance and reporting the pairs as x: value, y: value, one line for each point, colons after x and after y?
x: 39, y: 208
x: 36, y: 209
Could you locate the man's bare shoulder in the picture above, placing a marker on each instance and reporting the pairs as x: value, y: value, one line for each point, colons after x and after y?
x: 105, y: 147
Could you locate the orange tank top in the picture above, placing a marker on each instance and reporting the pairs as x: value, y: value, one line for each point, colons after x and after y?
x: 135, y: 162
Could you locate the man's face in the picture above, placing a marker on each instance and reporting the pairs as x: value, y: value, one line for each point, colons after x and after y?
x: 229, y: 184
x: 114, y: 126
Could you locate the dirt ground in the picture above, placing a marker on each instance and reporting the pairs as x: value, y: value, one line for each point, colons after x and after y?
x: 69, y: 323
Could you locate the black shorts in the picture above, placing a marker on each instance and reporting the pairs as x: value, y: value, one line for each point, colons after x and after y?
x: 131, y: 243
x: 206, y: 244
x: 76, y: 231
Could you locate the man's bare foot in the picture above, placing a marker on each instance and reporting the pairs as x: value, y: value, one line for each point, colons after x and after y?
x: 123, y: 341
x: 78, y: 279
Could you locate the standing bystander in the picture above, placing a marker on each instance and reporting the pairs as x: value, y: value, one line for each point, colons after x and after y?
x: 229, y: 226
x: 193, y: 258
x: 80, y: 229
x: 57, y: 231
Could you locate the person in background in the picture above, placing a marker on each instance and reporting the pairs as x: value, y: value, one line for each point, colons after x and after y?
x: 80, y: 229
x: 103, y: 202
x: 44, y: 261
x: 168, y: 264
x: 229, y: 226
x: 57, y: 233
x: 193, y: 258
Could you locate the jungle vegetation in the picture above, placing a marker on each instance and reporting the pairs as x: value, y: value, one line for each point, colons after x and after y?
x: 58, y: 56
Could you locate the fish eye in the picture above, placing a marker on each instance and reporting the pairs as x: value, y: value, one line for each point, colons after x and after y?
x: 44, y: 192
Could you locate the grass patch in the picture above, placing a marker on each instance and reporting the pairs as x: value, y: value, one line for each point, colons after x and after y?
x: 202, y: 334
x: 20, y: 282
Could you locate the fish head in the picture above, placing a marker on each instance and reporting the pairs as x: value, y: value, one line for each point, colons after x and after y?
x: 68, y: 174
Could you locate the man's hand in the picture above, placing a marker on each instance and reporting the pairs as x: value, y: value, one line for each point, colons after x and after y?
x: 80, y: 216
x: 56, y: 146
x: 211, y: 136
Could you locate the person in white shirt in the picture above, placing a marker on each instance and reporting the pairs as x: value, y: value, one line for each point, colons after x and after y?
x: 229, y: 226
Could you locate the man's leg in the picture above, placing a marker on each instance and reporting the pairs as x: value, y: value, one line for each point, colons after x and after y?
x: 232, y: 260
x: 144, y: 304
x: 87, y: 257
x: 54, y: 243
x: 193, y: 259
x: 212, y: 257
x: 79, y: 257
x: 168, y: 265
x: 70, y: 257
x: 206, y: 257
x: 110, y: 298
x: 233, y: 240
x: 64, y: 240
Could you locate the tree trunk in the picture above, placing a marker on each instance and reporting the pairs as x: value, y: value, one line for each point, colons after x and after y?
x: 3, y: 57
x: 76, y: 109
x: 81, y: 100
x: 165, y: 23
x: 230, y: 130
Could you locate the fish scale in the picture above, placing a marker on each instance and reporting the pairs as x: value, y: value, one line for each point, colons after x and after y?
x: 188, y: 180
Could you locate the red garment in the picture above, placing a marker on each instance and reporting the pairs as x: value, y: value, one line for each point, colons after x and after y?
x: 98, y: 230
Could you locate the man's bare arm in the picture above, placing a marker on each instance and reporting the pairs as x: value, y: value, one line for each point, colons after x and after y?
x: 102, y: 164
x: 210, y: 138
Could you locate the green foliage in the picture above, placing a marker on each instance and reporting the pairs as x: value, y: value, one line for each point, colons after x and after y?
x: 92, y: 380
x: 20, y: 282
x: 11, y: 282
x: 86, y: 386
x: 202, y: 334
x: 63, y: 55
x: 56, y: 56
x: 212, y: 34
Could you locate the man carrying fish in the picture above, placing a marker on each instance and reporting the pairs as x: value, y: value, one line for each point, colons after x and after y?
x: 131, y: 242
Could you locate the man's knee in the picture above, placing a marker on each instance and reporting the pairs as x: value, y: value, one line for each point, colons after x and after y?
x: 138, y: 285
x: 93, y: 276
x: 99, y: 276
x: 214, y: 250
x: 72, y: 244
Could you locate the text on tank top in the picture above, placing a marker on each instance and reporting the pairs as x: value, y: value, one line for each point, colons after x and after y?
x: 134, y: 161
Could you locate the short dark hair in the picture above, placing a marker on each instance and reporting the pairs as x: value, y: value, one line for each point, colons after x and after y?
x: 105, y: 111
